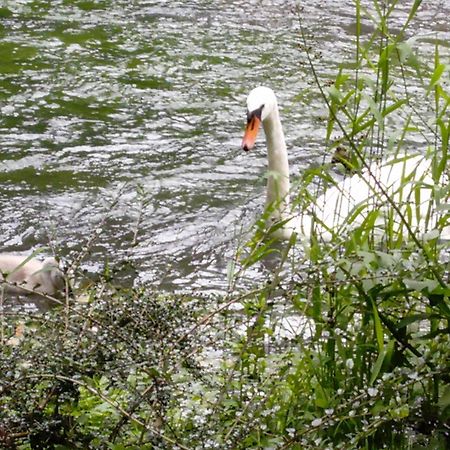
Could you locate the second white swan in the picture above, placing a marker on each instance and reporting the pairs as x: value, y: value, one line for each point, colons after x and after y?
x: 23, y: 275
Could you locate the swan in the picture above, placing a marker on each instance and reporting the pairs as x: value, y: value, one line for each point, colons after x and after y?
x: 406, y: 179
x: 23, y: 275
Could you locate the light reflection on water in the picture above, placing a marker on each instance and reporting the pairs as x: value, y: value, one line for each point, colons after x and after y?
x: 140, y: 93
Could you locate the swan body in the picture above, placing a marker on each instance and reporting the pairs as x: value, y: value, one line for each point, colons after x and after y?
x: 406, y: 179
x: 32, y: 276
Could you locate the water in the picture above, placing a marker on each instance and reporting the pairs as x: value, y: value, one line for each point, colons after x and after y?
x: 142, y: 105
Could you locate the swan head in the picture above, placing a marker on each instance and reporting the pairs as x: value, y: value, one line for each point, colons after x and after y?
x: 261, y: 103
x: 53, y: 274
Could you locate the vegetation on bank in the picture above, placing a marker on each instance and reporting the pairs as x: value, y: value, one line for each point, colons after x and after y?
x: 346, y: 346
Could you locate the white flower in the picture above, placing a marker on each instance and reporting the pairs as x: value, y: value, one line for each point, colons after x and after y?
x: 372, y: 391
x: 316, y: 422
x: 290, y: 431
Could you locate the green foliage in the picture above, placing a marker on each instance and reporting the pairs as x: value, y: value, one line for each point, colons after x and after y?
x: 101, y: 379
x: 368, y: 365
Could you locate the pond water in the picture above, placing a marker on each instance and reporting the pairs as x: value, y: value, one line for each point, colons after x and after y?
x: 125, y: 118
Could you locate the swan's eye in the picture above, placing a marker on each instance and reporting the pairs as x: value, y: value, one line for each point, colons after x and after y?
x: 255, y: 113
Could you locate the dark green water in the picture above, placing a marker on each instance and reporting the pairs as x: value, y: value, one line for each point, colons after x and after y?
x: 99, y: 97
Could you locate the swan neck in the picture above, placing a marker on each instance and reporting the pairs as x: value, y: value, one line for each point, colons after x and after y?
x: 278, y: 185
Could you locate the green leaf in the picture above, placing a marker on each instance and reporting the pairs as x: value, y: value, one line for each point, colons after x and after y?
x: 330, y: 126
x: 404, y: 51
x: 335, y: 94
x: 412, y: 12
x: 341, y: 79
x: 445, y: 133
x: 393, y: 107
x: 401, y: 412
x: 377, y: 367
x: 317, y: 303
x: 430, y: 235
x: 378, y: 327
x: 321, y: 397
x: 421, y: 285
x: 386, y: 260
x: 444, y: 399
x: 5, y: 12
x: 374, y: 110
x: 438, y: 71
x: 384, y: 356
x: 414, y: 8
x: 231, y: 270
x: 413, y: 318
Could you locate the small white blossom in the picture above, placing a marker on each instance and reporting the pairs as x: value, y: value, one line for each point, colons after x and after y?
x: 316, y: 422
x: 372, y: 391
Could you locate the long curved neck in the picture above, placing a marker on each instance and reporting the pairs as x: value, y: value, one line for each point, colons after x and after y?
x: 278, y: 185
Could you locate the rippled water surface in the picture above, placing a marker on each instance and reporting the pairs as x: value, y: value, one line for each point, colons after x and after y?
x: 127, y: 117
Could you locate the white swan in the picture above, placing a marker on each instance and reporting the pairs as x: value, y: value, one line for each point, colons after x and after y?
x: 406, y: 179
x: 21, y: 276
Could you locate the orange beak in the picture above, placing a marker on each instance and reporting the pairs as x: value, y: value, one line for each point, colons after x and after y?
x: 251, y: 131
